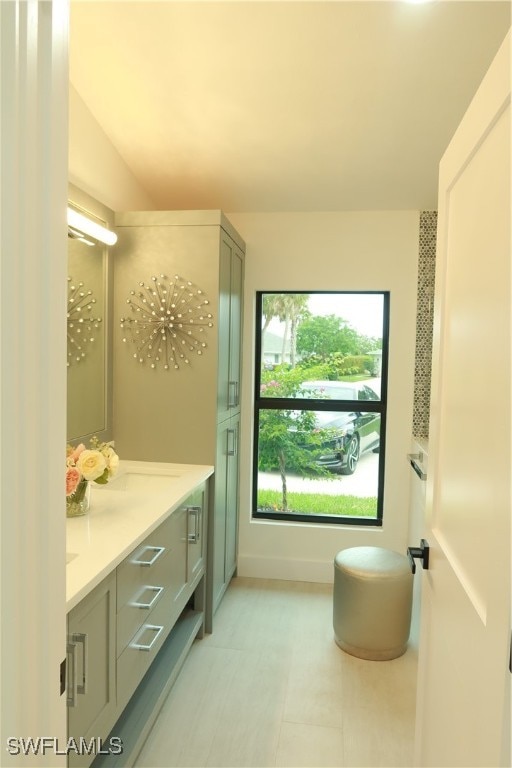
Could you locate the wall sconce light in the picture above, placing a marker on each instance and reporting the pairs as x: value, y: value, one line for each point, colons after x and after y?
x: 80, y: 225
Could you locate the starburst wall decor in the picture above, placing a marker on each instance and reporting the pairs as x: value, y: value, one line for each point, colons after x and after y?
x: 81, y: 323
x: 168, y: 322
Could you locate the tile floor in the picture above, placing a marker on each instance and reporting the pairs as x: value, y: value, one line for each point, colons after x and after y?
x: 270, y: 687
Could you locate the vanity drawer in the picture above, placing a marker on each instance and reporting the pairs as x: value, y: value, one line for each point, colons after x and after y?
x: 145, y: 566
x: 142, y: 603
x: 136, y: 658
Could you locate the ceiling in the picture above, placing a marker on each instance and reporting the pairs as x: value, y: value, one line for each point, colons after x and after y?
x: 281, y: 105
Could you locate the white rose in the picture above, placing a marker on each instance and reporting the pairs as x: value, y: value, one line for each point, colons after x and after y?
x: 91, y: 464
x: 112, y: 461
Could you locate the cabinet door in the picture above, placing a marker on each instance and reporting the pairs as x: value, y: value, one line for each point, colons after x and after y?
x: 91, y: 684
x: 178, y: 560
x: 232, y: 498
x: 196, y: 553
x: 223, y: 376
x: 217, y: 527
x: 230, y: 318
x: 224, y: 523
x: 235, y: 326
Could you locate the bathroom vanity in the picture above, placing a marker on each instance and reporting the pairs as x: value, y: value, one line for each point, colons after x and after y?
x: 136, y: 573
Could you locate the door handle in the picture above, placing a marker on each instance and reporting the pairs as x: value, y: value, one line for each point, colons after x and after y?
x: 421, y: 553
x: 413, y: 461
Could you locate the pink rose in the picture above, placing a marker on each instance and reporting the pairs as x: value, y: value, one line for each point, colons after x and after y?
x: 78, y: 450
x: 73, y: 477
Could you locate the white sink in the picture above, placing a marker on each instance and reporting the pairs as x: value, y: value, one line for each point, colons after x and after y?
x: 146, y: 482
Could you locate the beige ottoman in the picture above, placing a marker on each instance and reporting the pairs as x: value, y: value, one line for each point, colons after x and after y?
x: 372, y: 602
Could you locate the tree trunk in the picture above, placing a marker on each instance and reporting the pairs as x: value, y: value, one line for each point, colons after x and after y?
x: 285, y: 338
x: 282, y: 472
x: 293, y: 342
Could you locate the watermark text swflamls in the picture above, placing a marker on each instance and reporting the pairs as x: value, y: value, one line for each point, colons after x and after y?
x: 43, y: 745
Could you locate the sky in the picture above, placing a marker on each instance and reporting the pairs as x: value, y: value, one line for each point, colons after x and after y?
x: 363, y: 312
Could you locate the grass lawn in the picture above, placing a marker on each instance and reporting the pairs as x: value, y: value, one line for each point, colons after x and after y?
x: 355, y: 377
x: 320, y: 504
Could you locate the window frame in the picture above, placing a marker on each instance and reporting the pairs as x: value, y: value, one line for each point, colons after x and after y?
x: 278, y: 403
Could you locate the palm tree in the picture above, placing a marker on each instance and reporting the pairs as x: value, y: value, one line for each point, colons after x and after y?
x: 295, y: 307
x: 272, y: 307
x: 289, y: 308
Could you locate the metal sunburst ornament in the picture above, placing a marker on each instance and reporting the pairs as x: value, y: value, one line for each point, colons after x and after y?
x: 168, y: 322
x: 81, y: 324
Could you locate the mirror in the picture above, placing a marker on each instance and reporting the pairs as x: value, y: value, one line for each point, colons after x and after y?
x: 89, y: 389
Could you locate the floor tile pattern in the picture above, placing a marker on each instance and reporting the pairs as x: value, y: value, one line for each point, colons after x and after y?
x: 270, y: 687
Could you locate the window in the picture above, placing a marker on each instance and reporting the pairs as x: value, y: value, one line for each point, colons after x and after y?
x: 320, y: 406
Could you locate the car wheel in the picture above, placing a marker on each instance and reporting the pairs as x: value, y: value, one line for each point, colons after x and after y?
x: 352, y: 456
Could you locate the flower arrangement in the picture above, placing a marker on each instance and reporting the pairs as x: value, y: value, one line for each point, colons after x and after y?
x: 83, y: 465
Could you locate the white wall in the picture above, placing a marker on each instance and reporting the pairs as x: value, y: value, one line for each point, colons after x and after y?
x: 331, y: 251
x: 96, y: 167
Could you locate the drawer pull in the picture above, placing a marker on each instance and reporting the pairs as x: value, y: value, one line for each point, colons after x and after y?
x: 141, y: 646
x: 81, y: 637
x: 72, y: 686
x: 233, y: 394
x: 196, y: 512
x: 148, y: 563
x: 157, y: 590
x: 232, y: 446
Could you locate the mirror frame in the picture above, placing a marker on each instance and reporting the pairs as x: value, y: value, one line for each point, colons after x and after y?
x: 90, y: 206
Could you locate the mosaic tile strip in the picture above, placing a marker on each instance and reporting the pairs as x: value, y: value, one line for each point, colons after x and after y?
x: 424, y: 322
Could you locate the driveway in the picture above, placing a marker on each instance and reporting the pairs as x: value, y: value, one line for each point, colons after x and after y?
x: 364, y: 481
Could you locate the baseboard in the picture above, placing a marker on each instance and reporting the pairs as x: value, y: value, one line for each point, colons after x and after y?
x: 317, y: 571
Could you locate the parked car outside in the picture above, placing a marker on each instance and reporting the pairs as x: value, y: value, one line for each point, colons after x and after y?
x: 350, y: 433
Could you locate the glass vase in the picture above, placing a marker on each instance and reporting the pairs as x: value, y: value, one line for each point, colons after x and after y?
x: 78, y: 503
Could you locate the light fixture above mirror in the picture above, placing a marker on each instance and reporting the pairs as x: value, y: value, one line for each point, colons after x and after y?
x: 81, y: 227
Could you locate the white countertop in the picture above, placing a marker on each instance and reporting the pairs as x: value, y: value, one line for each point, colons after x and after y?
x: 121, y: 515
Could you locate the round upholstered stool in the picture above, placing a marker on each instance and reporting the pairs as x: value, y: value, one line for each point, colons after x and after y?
x: 372, y: 602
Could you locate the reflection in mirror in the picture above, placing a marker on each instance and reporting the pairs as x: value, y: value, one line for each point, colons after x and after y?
x: 86, y: 326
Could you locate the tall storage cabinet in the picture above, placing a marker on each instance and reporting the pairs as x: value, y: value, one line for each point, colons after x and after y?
x: 189, y: 414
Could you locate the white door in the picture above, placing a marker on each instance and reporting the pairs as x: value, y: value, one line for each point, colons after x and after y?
x: 34, y: 84
x: 464, y: 680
